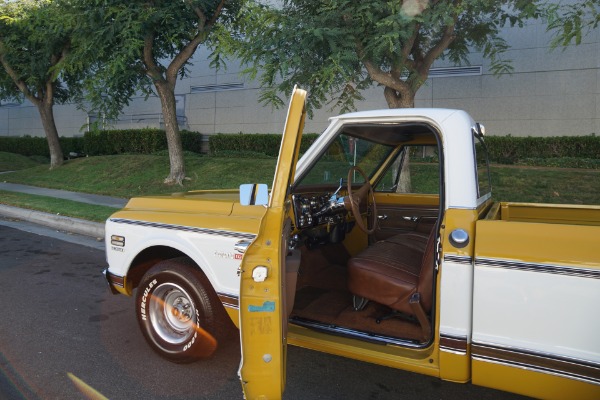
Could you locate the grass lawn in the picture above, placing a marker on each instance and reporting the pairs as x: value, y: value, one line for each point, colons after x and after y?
x: 15, y: 162
x: 546, y: 185
x: 52, y: 205
x: 137, y: 175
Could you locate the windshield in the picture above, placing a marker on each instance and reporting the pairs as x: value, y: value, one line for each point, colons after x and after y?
x: 344, y: 152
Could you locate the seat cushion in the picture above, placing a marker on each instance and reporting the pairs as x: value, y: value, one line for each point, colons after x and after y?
x: 387, y: 272
x: 415, y: 240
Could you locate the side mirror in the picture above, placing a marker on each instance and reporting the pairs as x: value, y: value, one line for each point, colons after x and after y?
x: 252, y: 194
x: 478, y: 130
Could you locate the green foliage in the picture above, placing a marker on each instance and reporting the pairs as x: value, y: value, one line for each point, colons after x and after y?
x: 337, y: 48
x: 38, y: 71
x: 512, y: 150
x: 135, y: 141
x: 38, y: 146
x: 138, y: 43
x: 554, y: 151
x: 94, y: 143
x: 570, y: 22
x: 227, y: 145
x: 145, y: 46
x: 36, y: 46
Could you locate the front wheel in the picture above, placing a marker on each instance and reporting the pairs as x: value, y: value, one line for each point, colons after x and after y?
x: 177, y: 311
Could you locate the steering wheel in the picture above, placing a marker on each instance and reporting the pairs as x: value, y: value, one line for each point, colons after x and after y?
x: 362, y: 195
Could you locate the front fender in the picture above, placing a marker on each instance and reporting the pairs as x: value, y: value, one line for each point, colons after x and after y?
x: 212, y: 250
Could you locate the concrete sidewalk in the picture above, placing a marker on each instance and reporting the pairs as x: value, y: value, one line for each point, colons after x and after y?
x: 108, y: 201
x: 59, y: 222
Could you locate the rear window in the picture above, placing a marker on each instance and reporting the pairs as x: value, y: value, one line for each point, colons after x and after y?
x: 482, y: 166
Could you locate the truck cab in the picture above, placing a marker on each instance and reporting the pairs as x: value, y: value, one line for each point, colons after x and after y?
x: 388, y: 246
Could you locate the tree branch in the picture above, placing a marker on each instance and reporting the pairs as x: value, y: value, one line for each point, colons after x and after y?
x: 199, y: 13
x: 152, y: 69
x: 21, y: 85
x: 216, y: 14
x: 184, y: 55
x: 204, y: 23
x: 189, y: 49
x: 376, y: 73
x: 408, y: 47
x: 440, y: 47
x: 384, y: 78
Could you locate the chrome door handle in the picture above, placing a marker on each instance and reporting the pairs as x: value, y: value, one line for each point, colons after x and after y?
x: 411, y: 219
x: 382, y: 217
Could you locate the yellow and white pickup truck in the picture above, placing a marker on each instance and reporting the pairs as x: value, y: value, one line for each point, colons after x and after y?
x: 344, y: 255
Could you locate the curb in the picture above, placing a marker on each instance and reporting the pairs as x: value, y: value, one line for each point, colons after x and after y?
x: 58, y: 222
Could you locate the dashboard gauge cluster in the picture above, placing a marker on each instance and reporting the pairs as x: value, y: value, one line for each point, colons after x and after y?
x: 313, y: 209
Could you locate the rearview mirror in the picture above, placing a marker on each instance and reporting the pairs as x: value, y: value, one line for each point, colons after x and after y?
x: 252, y: 194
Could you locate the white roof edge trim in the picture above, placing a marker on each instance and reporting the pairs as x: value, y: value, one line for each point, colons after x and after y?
x: 438, y: 114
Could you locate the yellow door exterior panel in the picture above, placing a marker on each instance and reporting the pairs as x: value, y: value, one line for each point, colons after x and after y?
x: 263, y: 319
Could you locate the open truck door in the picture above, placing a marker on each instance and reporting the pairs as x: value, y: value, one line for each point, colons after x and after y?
x: 263, y: 315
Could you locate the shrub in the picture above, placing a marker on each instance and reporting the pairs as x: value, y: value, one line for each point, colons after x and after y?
x: 38, y: 146
x: 562, y: 162
x: 232, y: 145
x: 137, y: 141
x: 511, y: 150
x: 191, y: 141
x: 576, y: 151
x: 109, y: 142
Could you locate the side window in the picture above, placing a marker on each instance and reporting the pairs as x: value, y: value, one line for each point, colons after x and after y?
x: 415, y: 170
x: 484, y: 185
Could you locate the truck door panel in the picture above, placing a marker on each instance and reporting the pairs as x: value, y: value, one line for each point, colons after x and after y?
x: 394, y: 219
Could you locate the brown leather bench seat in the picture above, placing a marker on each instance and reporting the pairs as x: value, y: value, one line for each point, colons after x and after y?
x: 396, y: 272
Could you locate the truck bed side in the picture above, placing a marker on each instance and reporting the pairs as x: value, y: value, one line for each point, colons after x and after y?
x: 567, y: 214
x: 536, y: 291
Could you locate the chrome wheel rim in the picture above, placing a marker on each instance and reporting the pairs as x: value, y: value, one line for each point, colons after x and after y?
x: 172, y: 313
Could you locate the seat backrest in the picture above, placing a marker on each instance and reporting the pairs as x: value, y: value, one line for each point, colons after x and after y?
x: 425, y: 284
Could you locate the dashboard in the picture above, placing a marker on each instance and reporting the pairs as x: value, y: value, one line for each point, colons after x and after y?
x: 315, y: 209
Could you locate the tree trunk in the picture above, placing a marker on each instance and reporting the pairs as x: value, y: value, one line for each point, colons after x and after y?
x: 404, y: 183
x: 401, y: 100
x: 395, y: 99
x: 47, y: 115
x: 167, y: 101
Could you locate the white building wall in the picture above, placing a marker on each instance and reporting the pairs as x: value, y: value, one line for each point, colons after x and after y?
x: 548, y: 94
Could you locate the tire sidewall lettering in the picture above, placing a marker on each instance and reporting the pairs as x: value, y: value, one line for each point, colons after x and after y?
x: 144, y: 302
x: 146, y: 298
x: 186, y: 346
x: 189, y: 344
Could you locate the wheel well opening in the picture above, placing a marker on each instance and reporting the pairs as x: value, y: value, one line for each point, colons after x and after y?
x: 148, y: 258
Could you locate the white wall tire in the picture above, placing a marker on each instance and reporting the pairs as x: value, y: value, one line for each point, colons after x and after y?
x: 177, y: 311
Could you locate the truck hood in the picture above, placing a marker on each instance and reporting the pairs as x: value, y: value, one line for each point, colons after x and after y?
x: 218, y: 202
x: 203, y: 208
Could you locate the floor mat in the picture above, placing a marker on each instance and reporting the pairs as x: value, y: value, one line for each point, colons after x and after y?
x: 329, y: 304
x: 323, y: 297
x: 335, y: 308
x: 306, y: 295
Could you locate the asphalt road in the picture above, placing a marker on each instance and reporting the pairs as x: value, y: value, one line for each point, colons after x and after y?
x: 59, y: 320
